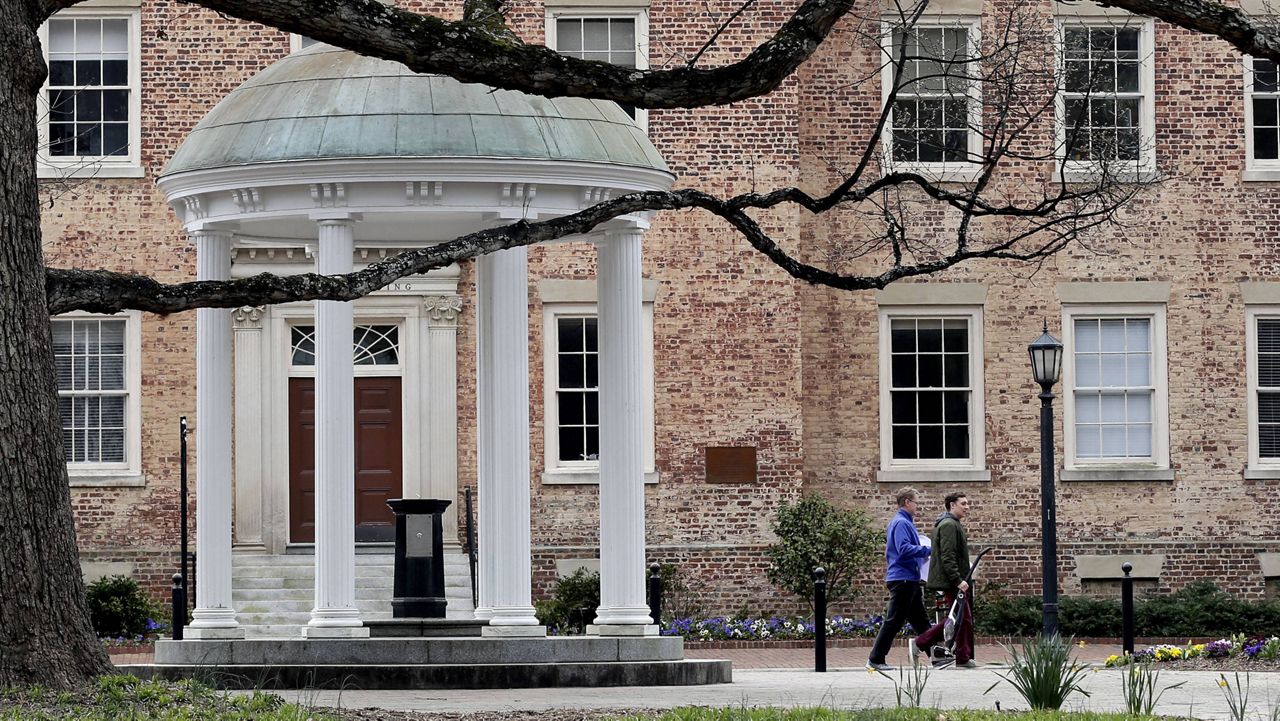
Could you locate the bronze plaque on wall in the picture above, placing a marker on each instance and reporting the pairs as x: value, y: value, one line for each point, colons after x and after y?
x: 731, y: 464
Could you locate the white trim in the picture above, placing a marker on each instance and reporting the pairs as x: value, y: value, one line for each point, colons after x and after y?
x: 130, y: 166
x: 1114, y: 468
x: 1258, y: 467
x: 556, y: 471
x: 944, y: 172
x: 1123, y: 171
x: 128, y: 473
x: 919, y: 469
x: 1254, y: 170
x: 640, y: 14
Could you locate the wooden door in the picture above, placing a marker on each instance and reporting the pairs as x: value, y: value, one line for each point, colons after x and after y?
x: 379, y: 455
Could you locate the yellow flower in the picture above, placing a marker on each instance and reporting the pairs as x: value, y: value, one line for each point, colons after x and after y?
x: 1081, y: 644
x: 1222, y: 682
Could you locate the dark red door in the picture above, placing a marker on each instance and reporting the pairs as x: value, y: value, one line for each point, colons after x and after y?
x: 378, y: 458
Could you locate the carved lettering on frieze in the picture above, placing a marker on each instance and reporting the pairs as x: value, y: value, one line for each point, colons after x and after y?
x: 329, y: 195
x: 443, y: 307
x: 247, y: 200
x: 249, y: 316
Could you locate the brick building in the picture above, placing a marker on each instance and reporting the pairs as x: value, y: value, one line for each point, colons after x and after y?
x: 757, y: 388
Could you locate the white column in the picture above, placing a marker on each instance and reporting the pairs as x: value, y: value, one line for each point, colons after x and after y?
x: 440, y: 404
x: 503, y: 415
x: 623, y: 610
x: 249, y: 364
x: 335, y: 613
x: 213, y: 616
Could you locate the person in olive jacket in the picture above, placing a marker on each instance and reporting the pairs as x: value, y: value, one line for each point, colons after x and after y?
x: 947, y: 573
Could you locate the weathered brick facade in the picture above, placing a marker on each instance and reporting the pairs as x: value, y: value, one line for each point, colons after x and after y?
x: 746, y: 356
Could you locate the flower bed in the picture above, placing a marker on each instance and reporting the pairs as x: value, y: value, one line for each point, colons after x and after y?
x: 1239, y: 647
x: 777, y: 628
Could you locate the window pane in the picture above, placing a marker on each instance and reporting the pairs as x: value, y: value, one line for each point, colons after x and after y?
x: 572, y: 444
x: 1088, y: 371
x: 1139, y: 369
x: 112, y: 446
x: 956, y: 370
x: 1265, y: 145
x: 592, y: 441
x: 570, y: 335
x: 931, y: 442
x: 62, y: 36
x: 1269, y: 335
x: 904, y: 443
x: 930, y: 371
x: 569, y: 36
x: 904, y: 406
x: 1113, y: 408
x: 572, y: 412
x: 957, y: 441
x: 1087, y: 340
x: 572, y: 371
x: 595, y: 35
x: 1269, y: 441
x: 956, y: 407
x: 930, y: 404
x: 1113, y: 370
x: 1112, y: 333
x: 1113, y: 442
x: 1088, y: 408
x: 1139, y: 441
x: 589, y: 335
x: 115, y: 36
x: 904, y: 371
x: 903, y: 336
x: 592, y: 402
x: 1139, y: 406
x: 1268, y: 407
x: 955, y: 336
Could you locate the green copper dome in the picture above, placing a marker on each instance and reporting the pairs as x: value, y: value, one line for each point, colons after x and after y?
x: 324, y: 103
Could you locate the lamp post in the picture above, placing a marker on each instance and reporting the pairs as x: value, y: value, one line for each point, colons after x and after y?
x: 1046, y: 367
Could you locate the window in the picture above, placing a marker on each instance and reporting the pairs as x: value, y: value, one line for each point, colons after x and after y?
x: 1263, y: 347
x: 931, y: 412
x: 90, y: 106
x: 372, y: 345
x: 612, y: 36
x: 1106, y: 104
x: 1115, y: 381
x: 937, y: 110
x: 1262, y: 113
x: 96, y: 358
x: 571, y: 395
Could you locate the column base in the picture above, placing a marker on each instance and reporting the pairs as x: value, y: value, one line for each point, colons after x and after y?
x: 335, y: 632
x: 492, y: 631
x: 482, y: 613
x: 620, y: 629
x: 224, y: 633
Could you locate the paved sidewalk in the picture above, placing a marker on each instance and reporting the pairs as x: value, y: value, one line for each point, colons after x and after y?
x: 797, y: 658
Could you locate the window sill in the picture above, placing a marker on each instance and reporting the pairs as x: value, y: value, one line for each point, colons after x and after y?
x: 88, y: 170
x: 565, y: 477
x: 1118, y: 474
x: 1261, y: 474
x: 933, y: 475
x: 958, y: 173
x: 106, y: 479
x: 1260, y: 175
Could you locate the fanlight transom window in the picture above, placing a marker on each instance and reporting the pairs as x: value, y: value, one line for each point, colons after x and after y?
x: 372, y: 345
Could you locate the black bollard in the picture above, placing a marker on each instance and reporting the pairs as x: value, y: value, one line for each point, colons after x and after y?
x: 655, y: 593
x: 179, y: 607
x: 819, y: 620
x: 1126, y: 607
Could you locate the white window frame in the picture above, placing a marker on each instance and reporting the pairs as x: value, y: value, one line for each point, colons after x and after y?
x: 967, y: 171
x: 130, y: 166
x: 128, y: 473
x: 556, y: 471
x: 1115, y: 468
x: 973, y: 468
x: 639, y: 14
x: 1254, y: 169
x: 1258, y: 467
x: 1145, y: 166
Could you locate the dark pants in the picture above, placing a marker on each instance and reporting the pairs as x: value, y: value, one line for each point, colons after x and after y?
x: 906, y: 605
x: 964, y: 634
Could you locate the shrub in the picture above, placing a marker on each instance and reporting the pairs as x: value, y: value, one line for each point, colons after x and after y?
x: 1009, y: 616
x: 811, y: 533
x: 1043, y: 672
x: 682, y: 593
x: 118, y: 607
x: 1083, y: 616
x: 573, y: 593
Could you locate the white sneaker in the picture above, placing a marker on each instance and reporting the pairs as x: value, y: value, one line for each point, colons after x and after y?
x: 912, y: 649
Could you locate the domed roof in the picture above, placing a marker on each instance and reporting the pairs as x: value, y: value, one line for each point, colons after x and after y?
x: 326, y: 103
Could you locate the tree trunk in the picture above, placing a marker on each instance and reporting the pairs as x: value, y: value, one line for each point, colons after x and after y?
x: 45, y: 635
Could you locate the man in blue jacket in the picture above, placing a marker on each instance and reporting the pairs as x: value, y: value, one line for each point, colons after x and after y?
x: 903, y: 554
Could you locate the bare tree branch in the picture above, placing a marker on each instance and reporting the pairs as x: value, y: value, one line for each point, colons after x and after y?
x: 1247, y: 34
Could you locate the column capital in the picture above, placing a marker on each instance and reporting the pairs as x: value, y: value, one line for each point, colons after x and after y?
x: 248, y: 317
x: 336, y: 217
x: 443, y: 309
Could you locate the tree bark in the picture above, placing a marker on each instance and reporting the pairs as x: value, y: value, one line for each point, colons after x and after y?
x: 45, y: 635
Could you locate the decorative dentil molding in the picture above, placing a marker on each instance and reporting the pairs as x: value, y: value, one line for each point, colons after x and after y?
x: 329, y: 195
x: 194, y: 205
x: 444, y: 308
x: 518, y: 194
x: 591, y: 196
x: 247, y: 200
x: 424, y: 192
x: 249, y: 316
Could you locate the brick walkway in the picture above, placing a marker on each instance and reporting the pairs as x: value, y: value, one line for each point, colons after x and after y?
x: 795, y: 658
